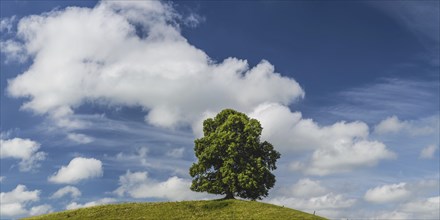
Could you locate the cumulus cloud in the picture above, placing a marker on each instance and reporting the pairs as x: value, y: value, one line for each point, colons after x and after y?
x: 14, y: 203
x: 390, y: 125
x: 41, y: 209
x: 340, y: 147
x: 427, y: 208
x: 24, y: 149
x: 420, y: 208
x: 344, y: 157
x: 308, y: 188
x: 143, y: 60
x: 73, y: 191
x: 312, y: 196
x: 140, y: 60
x: 328, y: 204
x: 428, y: 152
x: 77, y: 170
x: 394, y: 125
x: 139, y: 185
x: 412, y: 200
x: 80, y: 138
x: 387, y: 193
x: 102, y: 201
x: 289, y: 131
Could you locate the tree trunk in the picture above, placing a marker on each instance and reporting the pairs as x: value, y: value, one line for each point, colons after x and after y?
x: 229, y: 195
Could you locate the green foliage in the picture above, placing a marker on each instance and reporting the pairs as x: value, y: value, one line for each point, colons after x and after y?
x: 214, y: 209
x: 232, y: 160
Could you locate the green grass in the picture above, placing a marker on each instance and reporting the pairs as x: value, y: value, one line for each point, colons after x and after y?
x: 212, y: 209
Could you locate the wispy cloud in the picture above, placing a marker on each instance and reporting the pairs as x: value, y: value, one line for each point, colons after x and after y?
x: 139, y: 185
x: 414, y: 128
x: 419, y: 17
x: 402, y: 97
x: 428, y: 152
x: 7, y: 24
x: 75, y: 205
x: 73, y: 191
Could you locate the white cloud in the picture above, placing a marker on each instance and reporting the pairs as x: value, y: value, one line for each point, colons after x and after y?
x: 14, y: 203
x: 6, y: 24
x: 308, y: 188
x: 394, y: 125
x: 41, y: 209
x: 138, y: 185
x: 327, y: 205
x: 428, y: 152
x: 425, y: 208
x: 15, y: 51
x: 12, y: 209
x: 390, y: 125
x: 78, y: 169
x: 393, y: 215
x: 420, y: 208
x: 24, y: 149
x: 140, y: 159
x: 289, y: 131
x: 387, y: 193
x: 109, y: 64
x: 407, y: 98
x: 176, y: 152
x: 173, y: 81
x: 2, y: 178
x: 80, y: 138
x: 340, y: 147
x: 20, y: 194
x: 344, y: 157
x: 73, y: 191
x: 140, y: 155
x: 102, y: 201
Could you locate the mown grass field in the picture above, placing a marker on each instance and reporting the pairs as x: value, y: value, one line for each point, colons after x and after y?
x: 212, y: 209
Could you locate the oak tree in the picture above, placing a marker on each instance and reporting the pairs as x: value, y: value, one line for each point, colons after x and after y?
x: 232, y: 161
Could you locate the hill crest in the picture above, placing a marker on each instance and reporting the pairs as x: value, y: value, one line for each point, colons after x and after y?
x: 209, y: 209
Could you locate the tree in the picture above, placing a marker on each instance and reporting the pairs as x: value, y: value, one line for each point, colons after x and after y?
x: 231, y: 159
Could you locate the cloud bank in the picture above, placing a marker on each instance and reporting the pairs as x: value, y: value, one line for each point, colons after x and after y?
x: 141, y: 59
x: 340, y: 147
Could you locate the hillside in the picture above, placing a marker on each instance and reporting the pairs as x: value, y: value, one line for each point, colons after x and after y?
x: 212, y: 209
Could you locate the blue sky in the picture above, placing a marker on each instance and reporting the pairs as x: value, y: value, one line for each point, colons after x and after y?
x: 101, y: 101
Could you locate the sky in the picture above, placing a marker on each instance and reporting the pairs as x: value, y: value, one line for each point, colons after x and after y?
x: 101, y: 101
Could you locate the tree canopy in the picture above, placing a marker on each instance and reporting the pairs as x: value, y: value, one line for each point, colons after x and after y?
x: 232, y: 161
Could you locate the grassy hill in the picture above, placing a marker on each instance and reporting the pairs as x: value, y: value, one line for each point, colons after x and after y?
x: 212, y: 209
